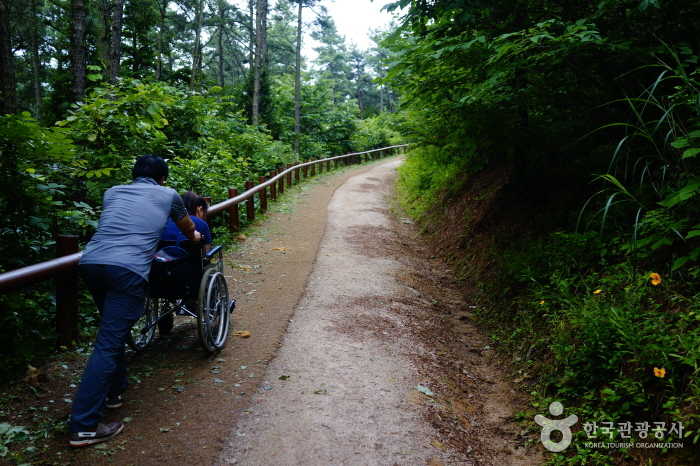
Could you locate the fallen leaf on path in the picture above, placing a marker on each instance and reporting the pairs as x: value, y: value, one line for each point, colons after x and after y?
x: 241, y: 237
x: 438, y: 444
x: 424, y: 390
x: 242, y: 333
x: 164, y: 429
x: 279, y: 249
x: 321, y: 391
x: 283, y: 377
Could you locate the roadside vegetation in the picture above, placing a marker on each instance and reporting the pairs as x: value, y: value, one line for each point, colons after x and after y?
x: 556, y: 165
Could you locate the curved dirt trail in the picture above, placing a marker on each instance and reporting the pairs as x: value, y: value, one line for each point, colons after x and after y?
x: 341, y: 389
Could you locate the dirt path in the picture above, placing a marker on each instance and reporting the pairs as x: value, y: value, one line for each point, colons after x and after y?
x: 347, y: 386
x: 335, y: 395
x: 380, y: 363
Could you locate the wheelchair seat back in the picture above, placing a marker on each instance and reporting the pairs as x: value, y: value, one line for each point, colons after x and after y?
x: 175, y: 273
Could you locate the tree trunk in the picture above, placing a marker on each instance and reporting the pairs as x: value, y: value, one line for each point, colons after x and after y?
x: 115, y: 42
x: 297, y: 85
x: 162, y: 7
x: 196, y: 51
x: 135, y: 64
x: 36, y: 62
x: 260, y: 57
x: 381, y: 98
x: 102, y: 33
x: 220, y: 43
x: 251, y: 34
x: 8, y: 89
x: 77, y: 49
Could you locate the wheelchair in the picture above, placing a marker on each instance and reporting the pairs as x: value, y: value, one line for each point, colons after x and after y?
x: 185, y: 280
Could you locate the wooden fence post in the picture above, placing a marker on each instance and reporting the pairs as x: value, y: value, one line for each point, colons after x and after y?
x: 280, y: 183
x: 273, y: 186
x: 67, y: 294
x: 328, y: 165
x: 250, y: 203
x: 234, y: 221
x: 289, y: 175
x: 313, y: 169
x: 207, y: 199
x: 297, y: 175
x: 263, y: 195
x: 306, y: 171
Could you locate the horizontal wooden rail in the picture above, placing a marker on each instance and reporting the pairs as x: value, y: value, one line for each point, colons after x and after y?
x: 32, y: 273
x: 245, y: 195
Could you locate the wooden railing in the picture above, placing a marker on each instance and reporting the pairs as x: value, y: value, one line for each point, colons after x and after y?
x: 64, y: 267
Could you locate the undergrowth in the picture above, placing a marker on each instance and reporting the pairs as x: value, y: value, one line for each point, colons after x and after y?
x: 612, y: 340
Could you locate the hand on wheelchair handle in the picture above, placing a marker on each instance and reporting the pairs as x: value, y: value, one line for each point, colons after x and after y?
x: 197, y: 236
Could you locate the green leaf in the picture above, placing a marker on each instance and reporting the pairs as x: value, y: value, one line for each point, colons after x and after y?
x: 680, y: 143
x: 692, y: 234
x: 92, y: 137
x: 94, y: 77
x: 691, y: 153
x: 683, y: 194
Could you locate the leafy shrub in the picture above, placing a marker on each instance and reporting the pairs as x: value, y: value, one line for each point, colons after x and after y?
x: 427, y: 175
x: 377, y: 131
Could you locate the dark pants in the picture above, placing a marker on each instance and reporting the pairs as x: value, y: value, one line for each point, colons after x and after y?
x: 119, y: 295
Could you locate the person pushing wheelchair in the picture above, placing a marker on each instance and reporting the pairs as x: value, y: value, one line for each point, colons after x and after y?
x: 115, y: 266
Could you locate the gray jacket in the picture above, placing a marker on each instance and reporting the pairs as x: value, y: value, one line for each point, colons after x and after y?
x: 131, y: 223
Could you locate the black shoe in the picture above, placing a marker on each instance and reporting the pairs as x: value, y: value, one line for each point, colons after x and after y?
x: 102, y: 433
x: 114, y: 402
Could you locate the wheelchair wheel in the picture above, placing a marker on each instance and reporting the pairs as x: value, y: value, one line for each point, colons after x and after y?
x: 213, y: 311
x: 138, y: 339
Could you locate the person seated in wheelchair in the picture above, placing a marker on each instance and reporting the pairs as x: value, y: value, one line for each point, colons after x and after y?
x: 197, y: 208
x: 178, y: 263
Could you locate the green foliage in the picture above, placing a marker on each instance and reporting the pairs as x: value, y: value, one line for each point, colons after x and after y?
x: 590, y: 333
x: 427, y: 176
x: 654, y: 177
x: 382, y: 130
x: 520, y: 87
x: 327, y: 126
x: 10, y: 434
x: 34, y: 187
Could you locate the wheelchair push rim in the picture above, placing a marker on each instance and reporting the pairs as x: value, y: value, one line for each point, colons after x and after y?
x: 138, y: 338
x: 213, y: 318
